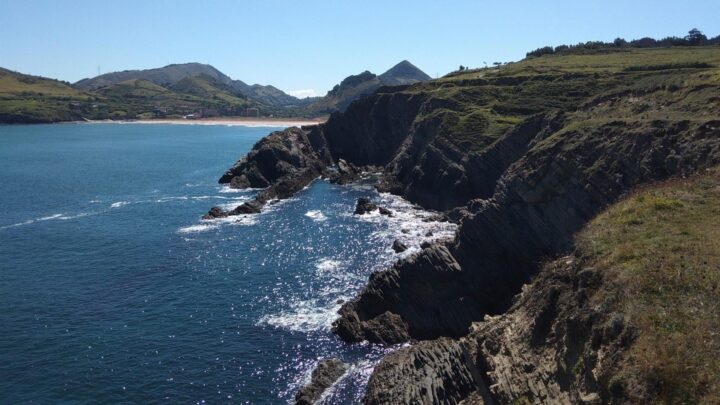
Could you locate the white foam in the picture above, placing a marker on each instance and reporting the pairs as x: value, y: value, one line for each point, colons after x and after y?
x: 316, y: 215
x: 49, y: 217
x: 168, y: 199
x: 198, y: 228
x: 409, y: 224
x: 303, y: 316
x: 234, y: 203
x: 319, y: 312
x: 210, y: 224
x: 226, y: 189
x: 80, y: 215
x: 29, y: 221
x: 119, y: 204
x: 328, y: 265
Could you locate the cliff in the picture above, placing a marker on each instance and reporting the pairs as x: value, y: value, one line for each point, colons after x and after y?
x: 628, y: 317
x: 523, y: 156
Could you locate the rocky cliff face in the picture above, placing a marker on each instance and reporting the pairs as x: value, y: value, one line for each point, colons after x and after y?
x: 522, y: 161
x: 540, y: 202
x: 554, y: 345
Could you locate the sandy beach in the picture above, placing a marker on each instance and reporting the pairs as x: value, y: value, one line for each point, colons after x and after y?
x: 239, y: 121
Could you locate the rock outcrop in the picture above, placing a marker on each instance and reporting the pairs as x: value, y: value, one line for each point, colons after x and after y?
x: 554, y: 345
x: 398, y: 246
x: 323, y: 376
x: 431, y: 372
x: 364, y: 206
x: 282, y: 163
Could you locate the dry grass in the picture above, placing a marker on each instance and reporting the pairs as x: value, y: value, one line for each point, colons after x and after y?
x: 660, y: 247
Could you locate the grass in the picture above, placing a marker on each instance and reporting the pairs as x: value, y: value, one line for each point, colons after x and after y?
x: 659, y: 249
x: 633, y: 85
x: 472, y: 109
x: 13, y: 84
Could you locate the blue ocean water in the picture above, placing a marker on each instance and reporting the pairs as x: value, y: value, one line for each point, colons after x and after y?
x: 112, y: 290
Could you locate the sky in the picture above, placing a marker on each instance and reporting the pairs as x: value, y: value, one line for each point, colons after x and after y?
x: 305, y: 47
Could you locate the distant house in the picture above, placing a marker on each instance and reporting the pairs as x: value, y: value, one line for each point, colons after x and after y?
x: 161, y: 112
x: 208, y: 112
x: 252, y: 112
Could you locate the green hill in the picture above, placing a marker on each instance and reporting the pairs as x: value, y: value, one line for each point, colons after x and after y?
x: 179, y: 76
x: 29, y: 99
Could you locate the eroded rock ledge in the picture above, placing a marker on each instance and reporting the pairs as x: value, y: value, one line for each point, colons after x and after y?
x: 323, y: 377
x: 554, y: 345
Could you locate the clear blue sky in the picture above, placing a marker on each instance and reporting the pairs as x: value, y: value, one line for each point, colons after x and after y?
x: 311, y: 45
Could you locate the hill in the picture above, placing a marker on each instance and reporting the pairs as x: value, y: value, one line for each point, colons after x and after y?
x: 31, y: 99
x: 172, y: 91
x: 173, y: 75
x: 355, y: 86
x: 164, y: 76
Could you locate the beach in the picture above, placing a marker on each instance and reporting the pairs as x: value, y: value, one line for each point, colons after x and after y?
x: 239, y: 121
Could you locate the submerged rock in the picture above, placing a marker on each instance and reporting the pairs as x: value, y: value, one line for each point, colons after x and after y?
x: 250, y: 207
x: 325, y: 374
x: 398, y: 246
x: 215, y: 212
x: 363, y: 206
x: 385, y: 211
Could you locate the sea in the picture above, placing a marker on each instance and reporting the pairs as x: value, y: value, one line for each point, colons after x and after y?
x: 113, y: 290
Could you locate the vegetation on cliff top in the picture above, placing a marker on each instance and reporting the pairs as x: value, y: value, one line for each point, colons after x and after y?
x: 476, y: 107
x: 659, y: 251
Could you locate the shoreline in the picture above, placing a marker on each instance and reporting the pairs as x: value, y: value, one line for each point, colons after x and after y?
x: 227, y: 121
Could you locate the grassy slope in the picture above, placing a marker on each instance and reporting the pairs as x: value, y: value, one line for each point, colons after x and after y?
x: 659, y: 252
x: 140, y: 97
x: 25, y: 98
x: 36, y: 99
x: 476, y: 107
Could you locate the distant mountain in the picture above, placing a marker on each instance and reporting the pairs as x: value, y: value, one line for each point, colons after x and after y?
x: 164, y: 76
x: 179, y: 76
x: 355, y: 86
x: 174, y: 91
x: 403, y: 73
x: 269, y: 95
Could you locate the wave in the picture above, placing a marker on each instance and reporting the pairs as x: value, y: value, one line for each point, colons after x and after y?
x: 316, y: 215
x: 49, y: 217
x: 168, y: 199
x: 198, y: 228
x: 210, y: 224
x: 410, y: 224
x: 62, y: 217
x: 303, y: 316
x: 226, y: 189
x: 119, y: 204
x: 80, y: 215
x: 30, y: 221
x: 328, y: 264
